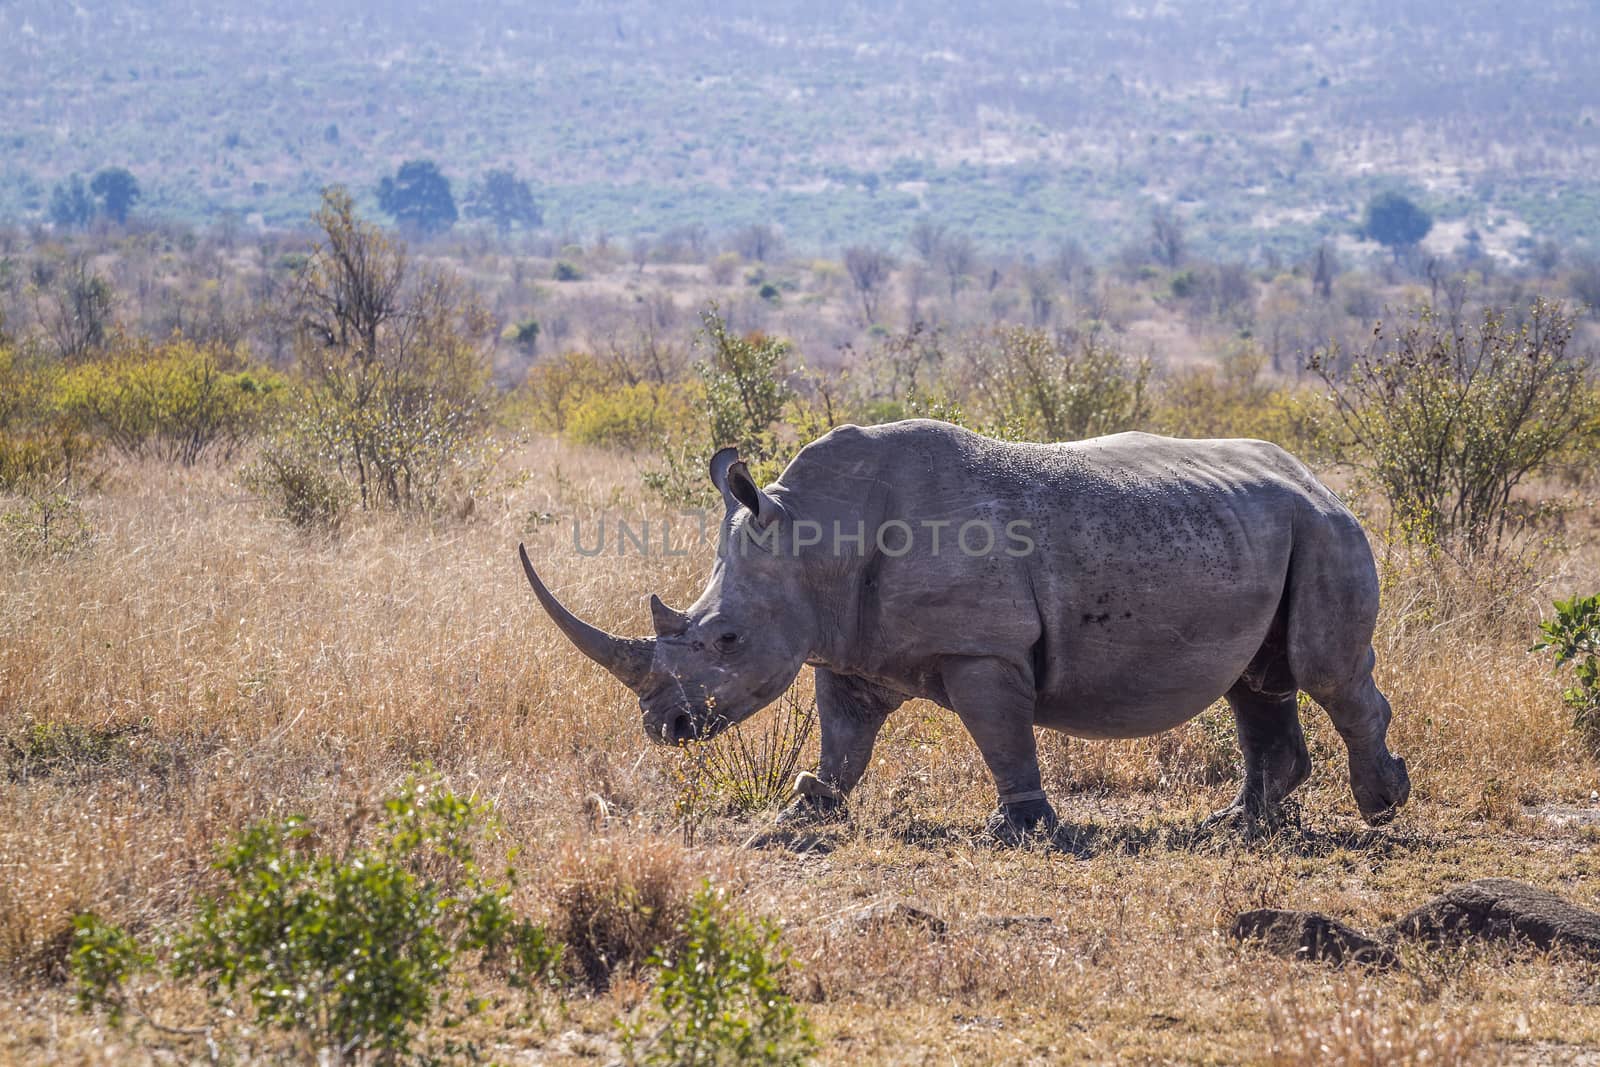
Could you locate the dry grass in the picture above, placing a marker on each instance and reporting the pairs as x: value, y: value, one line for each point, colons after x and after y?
x: 203, y: 666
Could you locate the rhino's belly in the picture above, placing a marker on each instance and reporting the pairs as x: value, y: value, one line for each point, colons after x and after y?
x: 1118, y: 692
x: 1101, y: 720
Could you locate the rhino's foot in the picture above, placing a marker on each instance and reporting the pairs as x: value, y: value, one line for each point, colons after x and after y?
x: 1251, y: 818
x: 811, y: 811
x: 1382, y: 786
x: 1013, y: 824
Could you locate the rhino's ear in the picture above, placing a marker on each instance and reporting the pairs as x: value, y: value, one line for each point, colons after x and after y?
x: 738, y: 489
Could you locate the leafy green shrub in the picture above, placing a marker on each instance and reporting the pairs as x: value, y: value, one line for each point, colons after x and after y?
x: 104, y: 957
x: 52, y: 455
x: 1029, y: 384
x: 1235, y: 399
x: 176, y: 400
x: 1449, y: 418
x: 747, y: 391
x: 555, y: 388
x: 38, y: 448
x: 634, y: 416
x: 523, y: 334
x: 353, y: 948
x: 719, y: 998
x: 1573, y: 636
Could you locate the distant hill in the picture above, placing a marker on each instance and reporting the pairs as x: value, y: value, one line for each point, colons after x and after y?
x: 1265, y: 123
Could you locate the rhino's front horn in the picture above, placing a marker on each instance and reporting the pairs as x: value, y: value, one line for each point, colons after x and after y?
x: 628, y: 658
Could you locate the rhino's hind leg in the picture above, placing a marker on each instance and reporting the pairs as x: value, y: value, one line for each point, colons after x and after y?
x: 1361, y: 714
x: 1276, y: 761
x: 1333, y: 610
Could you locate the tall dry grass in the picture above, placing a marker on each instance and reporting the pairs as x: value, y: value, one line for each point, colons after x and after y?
x: 203, y: 666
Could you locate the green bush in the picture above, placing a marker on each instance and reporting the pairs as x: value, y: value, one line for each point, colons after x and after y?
x: 1573, y: 636
x: 34, y: 460
x: 394, y: 395
x: 176, y: 400
x: 566, y: 271
x: 747, y: 393
x: 1449, y: 418
x: 523, y: 334
x: 556, y: 387
x: 352, y: 947
x: 634, y: 416
x: 719, y: 998
x: 1236, y: 399
x: 104, y: 958
x: 1028, y: 384
x: 39, y: 450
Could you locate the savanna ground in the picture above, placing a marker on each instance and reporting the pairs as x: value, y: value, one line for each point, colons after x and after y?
x: 197, y: 666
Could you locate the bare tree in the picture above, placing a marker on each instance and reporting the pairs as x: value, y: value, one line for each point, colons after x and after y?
x: 74, y: 303
x: 394, y: 360
x: 1234, y: 291
x: 926, y: 237
x: 957, y: 257
x: 1166, y: 237
x: 1324, y: 267
x: 759, y: 242
x: 1069, y: 260
x: 1041, y: 294
x: 640, y: 252
x: 869, y: 269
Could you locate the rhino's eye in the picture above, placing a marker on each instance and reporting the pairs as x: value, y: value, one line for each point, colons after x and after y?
x: 728, y: 642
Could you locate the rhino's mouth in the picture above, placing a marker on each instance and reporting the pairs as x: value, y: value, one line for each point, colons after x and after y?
x: 679, y: 728
x: 677, y: 724
x: 683, y: 724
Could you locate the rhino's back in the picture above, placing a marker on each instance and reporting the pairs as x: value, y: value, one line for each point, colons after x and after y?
x: 1123, y: 476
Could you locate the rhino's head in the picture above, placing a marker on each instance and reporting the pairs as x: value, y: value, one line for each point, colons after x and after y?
x: 736, y: 649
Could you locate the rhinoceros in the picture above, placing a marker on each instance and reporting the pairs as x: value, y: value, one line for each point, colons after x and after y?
x: 1108, y: 588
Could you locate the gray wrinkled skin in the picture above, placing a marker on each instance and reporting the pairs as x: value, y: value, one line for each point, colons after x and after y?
x: 1163, y: 574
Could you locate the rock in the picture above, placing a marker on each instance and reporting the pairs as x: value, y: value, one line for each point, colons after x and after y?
x: 1503, y: 909
x: 800, y: 840
x: 1007, y: 922
x: 1310, y: 935
x: 898, y: 914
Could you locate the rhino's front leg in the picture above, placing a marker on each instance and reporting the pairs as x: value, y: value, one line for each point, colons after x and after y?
x: 850, y: 711
x: 995, y: 701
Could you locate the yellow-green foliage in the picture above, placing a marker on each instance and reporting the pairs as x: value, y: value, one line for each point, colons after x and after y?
x: 37, y: 448
x: 1234, y: 399
x: 1026, y: 383
x: 638, y: 415
x: 25, y: 387
x: 175, y: 400
x: 38, y: 458
x: 555, y: 388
